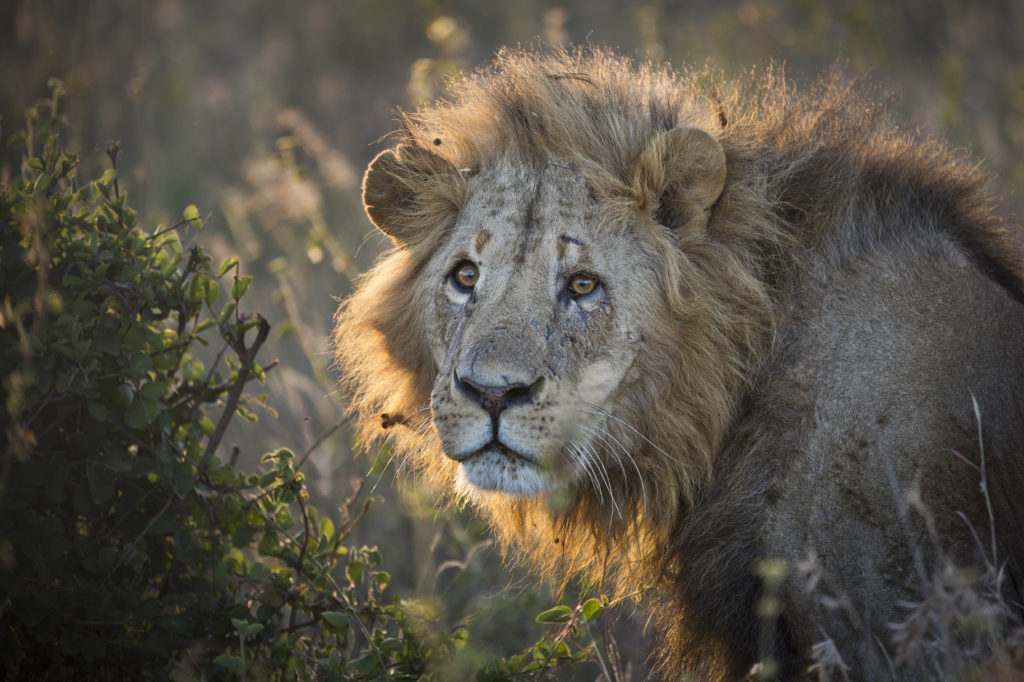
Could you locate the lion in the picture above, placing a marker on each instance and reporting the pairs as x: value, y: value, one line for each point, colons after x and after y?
x: 662, y: 327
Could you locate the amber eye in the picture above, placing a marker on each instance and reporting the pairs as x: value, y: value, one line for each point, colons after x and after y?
x: 465, y: 275
x: 581, y: 285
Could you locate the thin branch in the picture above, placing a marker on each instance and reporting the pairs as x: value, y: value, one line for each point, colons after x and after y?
x: 178, y: 224
x: 112, y: 151
x: 131, y: 548
x: 247, y: 356
x: 302, y: 549
x: 319, y: 441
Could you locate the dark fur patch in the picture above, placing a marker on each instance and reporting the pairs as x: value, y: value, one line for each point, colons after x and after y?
x: 482, y: 237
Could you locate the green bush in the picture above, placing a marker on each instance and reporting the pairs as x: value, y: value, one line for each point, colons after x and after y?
x: 128, y: 548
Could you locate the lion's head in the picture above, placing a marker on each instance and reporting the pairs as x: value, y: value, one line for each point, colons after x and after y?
x: 537, y: 313
x: 544, y: 327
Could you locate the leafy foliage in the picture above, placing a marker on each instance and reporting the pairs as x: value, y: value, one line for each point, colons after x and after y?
x: 128, y: 549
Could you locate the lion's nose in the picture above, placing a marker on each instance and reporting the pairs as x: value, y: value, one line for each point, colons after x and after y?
x: 494, y: 399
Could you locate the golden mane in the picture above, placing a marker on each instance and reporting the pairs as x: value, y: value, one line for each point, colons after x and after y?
x: 813, y: 170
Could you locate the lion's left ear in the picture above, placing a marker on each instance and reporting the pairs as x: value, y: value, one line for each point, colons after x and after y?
x: 679, y: 177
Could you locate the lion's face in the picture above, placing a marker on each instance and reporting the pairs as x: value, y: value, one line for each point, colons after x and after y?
x: 535, y: 320
x: 528, y: 297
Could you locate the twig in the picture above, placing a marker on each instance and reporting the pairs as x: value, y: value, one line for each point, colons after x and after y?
x: 319, y: 441
x: 112, y: 152
x: 362, y: 512
x: 131, y: 548
x: 302, y: 548
x: 247, y: 356
x: 597, y: 651
x: 176, y: 225
x: 208, y: 391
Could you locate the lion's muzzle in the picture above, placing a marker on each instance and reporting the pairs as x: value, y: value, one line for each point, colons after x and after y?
x: 494, y: 399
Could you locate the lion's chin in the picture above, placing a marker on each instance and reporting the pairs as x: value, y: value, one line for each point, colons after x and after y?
x: 498, y: 469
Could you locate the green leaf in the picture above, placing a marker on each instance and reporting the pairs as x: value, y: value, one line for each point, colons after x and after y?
x: 140, y: 363
x: 226, y: 312
x: 155, y: 389
x: 355, y: 571
x: 246, y: 628
x: 366, y: 665
x: 326, y: 528
x: 592, y: 608
x: 227, y: 265
x: 558, y: 614
x: 136, y: 416
x: 197, y: 287
x: 101, y: 483
x: 212, y: 292
x: 220, y: 576
x: 240, y: 286
x: 191, y: 214
x: 242, y: 537
x: 165, y: 524
x: 97, y: 410
x: 232, y: 663
x: 259, y: 572
x: 50, y: 149
x: 336, y: 620
x: 81, y: 349
x: 107, y: 181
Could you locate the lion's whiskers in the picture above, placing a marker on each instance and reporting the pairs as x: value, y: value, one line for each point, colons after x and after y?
x: 603, y: 436
x: 581, y: 460
x: 598, y: 410
x: 598, y: 465
x: 617, y: 450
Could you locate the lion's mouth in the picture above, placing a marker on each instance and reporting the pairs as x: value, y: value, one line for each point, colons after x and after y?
x: 497, y: 467
x: 498, y: 448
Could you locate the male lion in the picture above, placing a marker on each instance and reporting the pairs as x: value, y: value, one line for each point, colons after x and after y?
x: 659, y: 327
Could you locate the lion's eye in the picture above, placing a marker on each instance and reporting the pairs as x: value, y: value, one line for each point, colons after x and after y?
x: 581, y: 285
x: 465, y: 275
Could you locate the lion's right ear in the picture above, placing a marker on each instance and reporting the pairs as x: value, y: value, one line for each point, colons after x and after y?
x: 679, y: 177
x: 404, y: 191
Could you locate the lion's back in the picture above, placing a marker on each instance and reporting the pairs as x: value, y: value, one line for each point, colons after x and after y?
x: 869, y: 417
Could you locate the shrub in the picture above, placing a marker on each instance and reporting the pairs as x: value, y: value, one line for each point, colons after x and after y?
x: 128, y: 548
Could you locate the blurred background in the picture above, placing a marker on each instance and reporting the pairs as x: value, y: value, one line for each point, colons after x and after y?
x: 264, y: 113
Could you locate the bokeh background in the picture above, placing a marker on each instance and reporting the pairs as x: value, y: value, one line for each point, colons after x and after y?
x: 264, y: 113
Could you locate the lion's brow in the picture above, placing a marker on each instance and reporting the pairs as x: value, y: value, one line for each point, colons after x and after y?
x: 482, y: 237
x: 564, y: 239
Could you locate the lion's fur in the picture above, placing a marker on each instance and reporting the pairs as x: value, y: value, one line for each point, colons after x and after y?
x: 814, y: 178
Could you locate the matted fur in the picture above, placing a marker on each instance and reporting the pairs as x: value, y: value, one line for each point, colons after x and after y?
x: 807, y: 172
